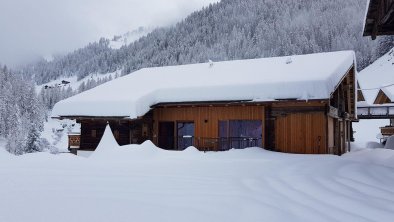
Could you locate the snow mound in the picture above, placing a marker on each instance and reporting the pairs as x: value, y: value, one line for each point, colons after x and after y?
x: 109, y: 150
x: 107, y: 143
x: 390, y: 143
x: 374, y: 145
x: 376, y: 156
x: 191, y: 149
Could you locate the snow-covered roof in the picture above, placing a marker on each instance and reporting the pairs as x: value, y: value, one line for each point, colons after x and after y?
x: 378, y: 74
x: 301, y: 77
x: 389, y: 91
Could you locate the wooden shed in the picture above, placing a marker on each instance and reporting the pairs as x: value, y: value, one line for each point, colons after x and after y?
x: 270, y: 103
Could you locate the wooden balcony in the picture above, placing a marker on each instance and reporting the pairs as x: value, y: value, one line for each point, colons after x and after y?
x: 375, y: 112
x: 387, y: 130
x: 74, y: 142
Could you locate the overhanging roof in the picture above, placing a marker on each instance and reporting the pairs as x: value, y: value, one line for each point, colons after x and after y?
x: 302, y: 77
x: 379, y: 18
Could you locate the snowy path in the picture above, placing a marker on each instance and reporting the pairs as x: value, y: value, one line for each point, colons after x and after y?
x: 147, y: 184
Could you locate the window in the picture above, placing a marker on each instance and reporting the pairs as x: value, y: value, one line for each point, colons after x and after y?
x: 94, y: 133
x: 185, y: 133
x: 240, y: 133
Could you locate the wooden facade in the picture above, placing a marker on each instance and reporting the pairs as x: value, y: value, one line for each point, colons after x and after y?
x: 307, y: 127
x: 206, y: 118
x: 380, y: 18
x: 360, y: 94
x: 382, y: 98
x: 125, y: 131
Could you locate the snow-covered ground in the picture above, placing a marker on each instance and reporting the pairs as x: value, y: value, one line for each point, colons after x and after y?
x: 144, y: 183
x: 368, y: 131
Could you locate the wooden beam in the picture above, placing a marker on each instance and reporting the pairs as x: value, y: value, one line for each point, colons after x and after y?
x: 389, y: 13
x: 377, y: 20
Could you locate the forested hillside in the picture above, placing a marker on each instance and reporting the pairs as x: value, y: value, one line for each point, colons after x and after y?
x: 230, y: 29
x: 21, y: 114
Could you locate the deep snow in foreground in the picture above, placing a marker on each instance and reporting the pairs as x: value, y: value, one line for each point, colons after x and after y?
x: 144, y: 183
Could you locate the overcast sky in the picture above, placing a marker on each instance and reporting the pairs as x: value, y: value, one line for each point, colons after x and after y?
x: 32, y: 28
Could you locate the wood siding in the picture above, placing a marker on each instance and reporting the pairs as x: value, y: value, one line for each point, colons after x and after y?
x: 301, y: 133
x: 124, y: 131
x: 206, y: 118
x: 382, y: 98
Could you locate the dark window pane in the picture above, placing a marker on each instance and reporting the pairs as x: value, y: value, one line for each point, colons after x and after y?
x: 185, y: 132
x: 223, y: 125
x: 245, y: 128
x: 240, y: 133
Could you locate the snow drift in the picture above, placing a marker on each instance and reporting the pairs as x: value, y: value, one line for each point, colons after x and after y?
x: 144, y: 183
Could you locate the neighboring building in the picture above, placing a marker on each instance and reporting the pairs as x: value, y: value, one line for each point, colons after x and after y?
x: 376, y: 81
x: 385, y: 96
x: 379, y: 18
x: 376, y: 84
x: 296, y: 104
x: 379, y: 21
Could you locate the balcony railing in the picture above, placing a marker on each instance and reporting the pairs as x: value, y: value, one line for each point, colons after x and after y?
x: 375, y: 112
x: 217, y: 144
x: 74, y: 141
x: 387, y: 130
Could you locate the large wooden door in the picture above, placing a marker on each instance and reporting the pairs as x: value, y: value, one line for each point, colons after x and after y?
x: 167, y: 135
x: 301, y: 133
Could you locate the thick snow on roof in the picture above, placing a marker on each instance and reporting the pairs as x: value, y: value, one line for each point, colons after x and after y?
x: 389, y: 91
x: 378, y: 74
x: 302, y: 77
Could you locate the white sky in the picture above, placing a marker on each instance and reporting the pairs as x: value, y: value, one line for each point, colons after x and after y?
x: 32, y: 28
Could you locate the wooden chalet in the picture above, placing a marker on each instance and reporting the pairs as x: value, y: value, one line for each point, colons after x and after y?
x: 380, y: 18
x: 292, y: 107
x: 377, y: 100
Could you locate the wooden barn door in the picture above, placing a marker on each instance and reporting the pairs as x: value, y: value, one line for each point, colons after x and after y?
x: 301, y: 133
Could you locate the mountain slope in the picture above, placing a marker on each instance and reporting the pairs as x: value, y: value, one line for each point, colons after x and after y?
x: 230, y: 29
x: 123, y: 40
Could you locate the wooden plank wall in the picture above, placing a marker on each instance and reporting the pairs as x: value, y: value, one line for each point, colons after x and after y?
x: 90, y: 143
x: 331, y: 135
x: 382, y: 98
x: 206, y: 118
x: 301, y: 133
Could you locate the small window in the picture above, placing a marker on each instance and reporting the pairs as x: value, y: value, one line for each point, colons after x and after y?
x: 94, y: 133
x: 240, y: 133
